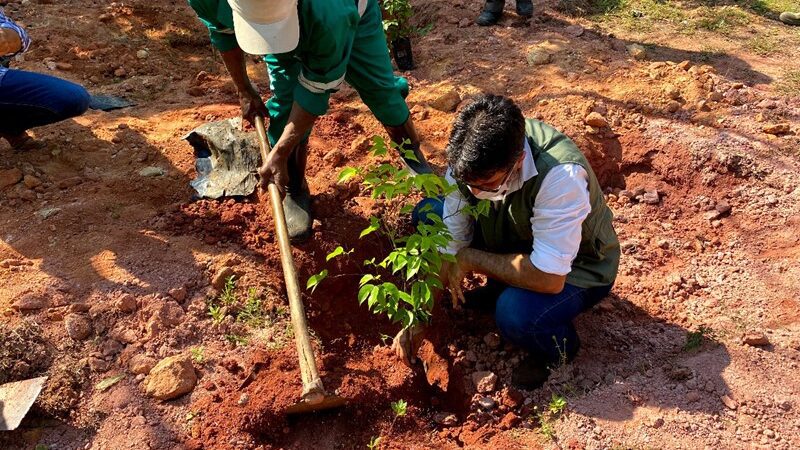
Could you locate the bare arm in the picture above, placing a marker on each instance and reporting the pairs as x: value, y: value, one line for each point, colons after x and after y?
x: 10, y: 42
x: 513, y: 269
x: 251, y: 102
x: 274, y: 168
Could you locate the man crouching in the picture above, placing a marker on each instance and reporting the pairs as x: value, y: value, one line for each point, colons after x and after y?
x: 547, y: 244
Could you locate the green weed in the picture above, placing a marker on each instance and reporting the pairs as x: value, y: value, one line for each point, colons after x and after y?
x: 237, y: 340
x: 399, y: 407
x: 694, y: 339
x: 374, y: 442
x: 198, y: 354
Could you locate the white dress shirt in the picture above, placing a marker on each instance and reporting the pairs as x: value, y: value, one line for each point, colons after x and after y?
x: 559, y: 210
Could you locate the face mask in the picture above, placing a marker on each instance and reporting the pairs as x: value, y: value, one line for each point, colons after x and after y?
x: 511, y: 185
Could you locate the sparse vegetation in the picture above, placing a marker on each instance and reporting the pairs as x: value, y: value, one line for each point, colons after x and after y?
x: 694, y: 339
x: 198, y: 354
x: 548, y: 417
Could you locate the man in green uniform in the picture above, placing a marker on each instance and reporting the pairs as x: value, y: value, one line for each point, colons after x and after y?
x: 547, y: 243
x: 311, y: 47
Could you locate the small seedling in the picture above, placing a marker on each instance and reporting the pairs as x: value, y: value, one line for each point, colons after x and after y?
x: 235, y: 339
x: 252, y: 313
x: 216, y: 312
x: 557, y: 404
x: 198, y: 354
x: 374, y: 442
x: 228, y: 295
x: 694, y: 339
x: 399, y: 407
x: 385, y: 338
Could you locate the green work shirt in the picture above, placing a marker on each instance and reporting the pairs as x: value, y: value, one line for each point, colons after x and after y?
x: 327, y: 31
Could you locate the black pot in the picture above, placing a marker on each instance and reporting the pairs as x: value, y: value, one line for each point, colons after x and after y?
x: 401, y: 50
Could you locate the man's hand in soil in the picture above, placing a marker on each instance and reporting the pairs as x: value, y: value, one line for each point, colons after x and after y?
x: 275, y: 168
x: 406, y: 343
x: 451, y: 276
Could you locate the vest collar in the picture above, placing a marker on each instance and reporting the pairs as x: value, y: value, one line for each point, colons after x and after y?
x: 528, y: 169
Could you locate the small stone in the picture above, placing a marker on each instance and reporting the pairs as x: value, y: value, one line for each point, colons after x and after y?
x: 98, y: 364
x: 196, y: 91
x: 702, y: 105
x: 334, y: 157
x: 492, y: 340
x: 10, y: 177
x: 575, y: 30
x: 152, y: 171
x: 637, y: 51
x: 672, y: 92
x: 105, y: 17
x: 126, y: 303
x: 755, y: 339
x: 448, y: 101
x: 110, y: 347
x: 31, y: 181
x: 360, y: 145
x: 684, y: 65
x: 510, y: 397
x: 651, y: 197
x: 178, y: 293
x: 445, y: 419
x: 142, y: 54
x: 486, y: 402
x: 538, y: 57
x: 78, y: 327
x: 464, y: 23
x: 723, y: 207
x: 510, y: 420
x: 729, y: 402
x: 657, y: 423
x: 219, y: 280
x: 715, y: 96
x: 596, y: 120
x: 769, y: 433
x: 30, y: 303
x: 484, y: 381
x: 170, y: 378
x: 673, y: 106
x: 777, y: 129
x: 63, y: 66
x: 141, y: 364
x: 693, y: 396
x: 120, y: 72
x: 243, y: 399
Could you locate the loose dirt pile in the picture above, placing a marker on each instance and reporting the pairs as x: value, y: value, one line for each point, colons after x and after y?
x: 105, y: 272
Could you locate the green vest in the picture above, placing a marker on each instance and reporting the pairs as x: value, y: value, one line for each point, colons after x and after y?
x: 507, y: 227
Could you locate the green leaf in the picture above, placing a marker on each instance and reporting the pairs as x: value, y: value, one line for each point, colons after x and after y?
x: 364, y: 292
x: 315, y: 280
x: 108, y: 382
x: 336, y: 252
x: 347, y: 173
x: 374, y: 225
x: 366, y: 279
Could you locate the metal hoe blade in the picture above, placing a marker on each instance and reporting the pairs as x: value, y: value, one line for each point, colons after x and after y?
x: 16, y: 399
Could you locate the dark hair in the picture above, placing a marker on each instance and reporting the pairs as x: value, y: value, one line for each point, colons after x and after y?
x: 487, y: 137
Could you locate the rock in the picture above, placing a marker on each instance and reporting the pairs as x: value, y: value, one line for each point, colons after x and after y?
x: 651, y: 197
x: 510, y: 420
x: 715, y: 96
x: 777, y: 129
x: 196, y: 91
x: 595, y: 119
x: 67, y: 183
x: 684, y: 65
x: 78, y: 327
x: 658, y: 422
x: 142, y: 54
x: 10, y: 177
x: 51, y: 65
x: 221, y: 277
x: 98, y: 364
x: 767, y: 104
x: 178, y: 293
x: 448, y: 101
x: 673, y: 106
x: 672, y: 92
x: 152, y: 171
x: 538, y: 57
x: 110, y: 347
x: 575, y: 30
x: 755, y: 339
x: 105, y: 17
x: 625, y: 193
x: 445, y: 419
x: 170, y: 378
x: 637, y: 51
x: 63, y: 66
x: 141, y: 364
x: 31, y: 303
x: 729, y: 402
x: 492, y: 340
x: 723, y: 207
x: 243, y: 399
x: 360, y: 145
x: 120, y: 72
x: 486, y: 402
x: 464, y: 23
x: 511, y: 397
x: 126, y: 303
x: 484, y: 381
x: 693, y: 396
x: 334, y: 157
x: 31, y: 181
x: 702, y: 105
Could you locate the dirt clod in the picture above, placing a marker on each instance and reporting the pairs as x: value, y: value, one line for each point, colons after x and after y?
x: 755, y: 339
x: 78, y: 327
x: 484, y: 381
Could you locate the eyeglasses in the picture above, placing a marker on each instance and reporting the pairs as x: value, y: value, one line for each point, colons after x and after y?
x: 500, y: 185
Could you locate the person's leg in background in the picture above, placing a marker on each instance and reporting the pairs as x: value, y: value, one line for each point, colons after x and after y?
x: 29, y: 100
x: 541, y: 324
x: 297, y: 203
x: 370, y: 73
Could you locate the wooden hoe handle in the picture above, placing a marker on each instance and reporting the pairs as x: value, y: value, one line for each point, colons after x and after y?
x: 313, y: 390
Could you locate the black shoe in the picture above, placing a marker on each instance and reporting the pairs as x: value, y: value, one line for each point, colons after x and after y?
x: 531, y: 374
x: 524, y: 8
x: 492, y: 12
x: 297, y: 209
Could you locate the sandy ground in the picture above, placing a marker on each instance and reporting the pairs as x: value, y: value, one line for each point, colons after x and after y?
x: 697, y: 347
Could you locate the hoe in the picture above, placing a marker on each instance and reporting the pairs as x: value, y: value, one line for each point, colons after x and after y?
x: 314, y: 396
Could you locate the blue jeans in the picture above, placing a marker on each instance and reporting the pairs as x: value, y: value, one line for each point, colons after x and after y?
x: 539, y: 323
x: 29, y: 99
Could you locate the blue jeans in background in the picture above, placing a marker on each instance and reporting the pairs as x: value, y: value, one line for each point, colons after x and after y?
x: 29, y: 99
x: 539, y: 323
